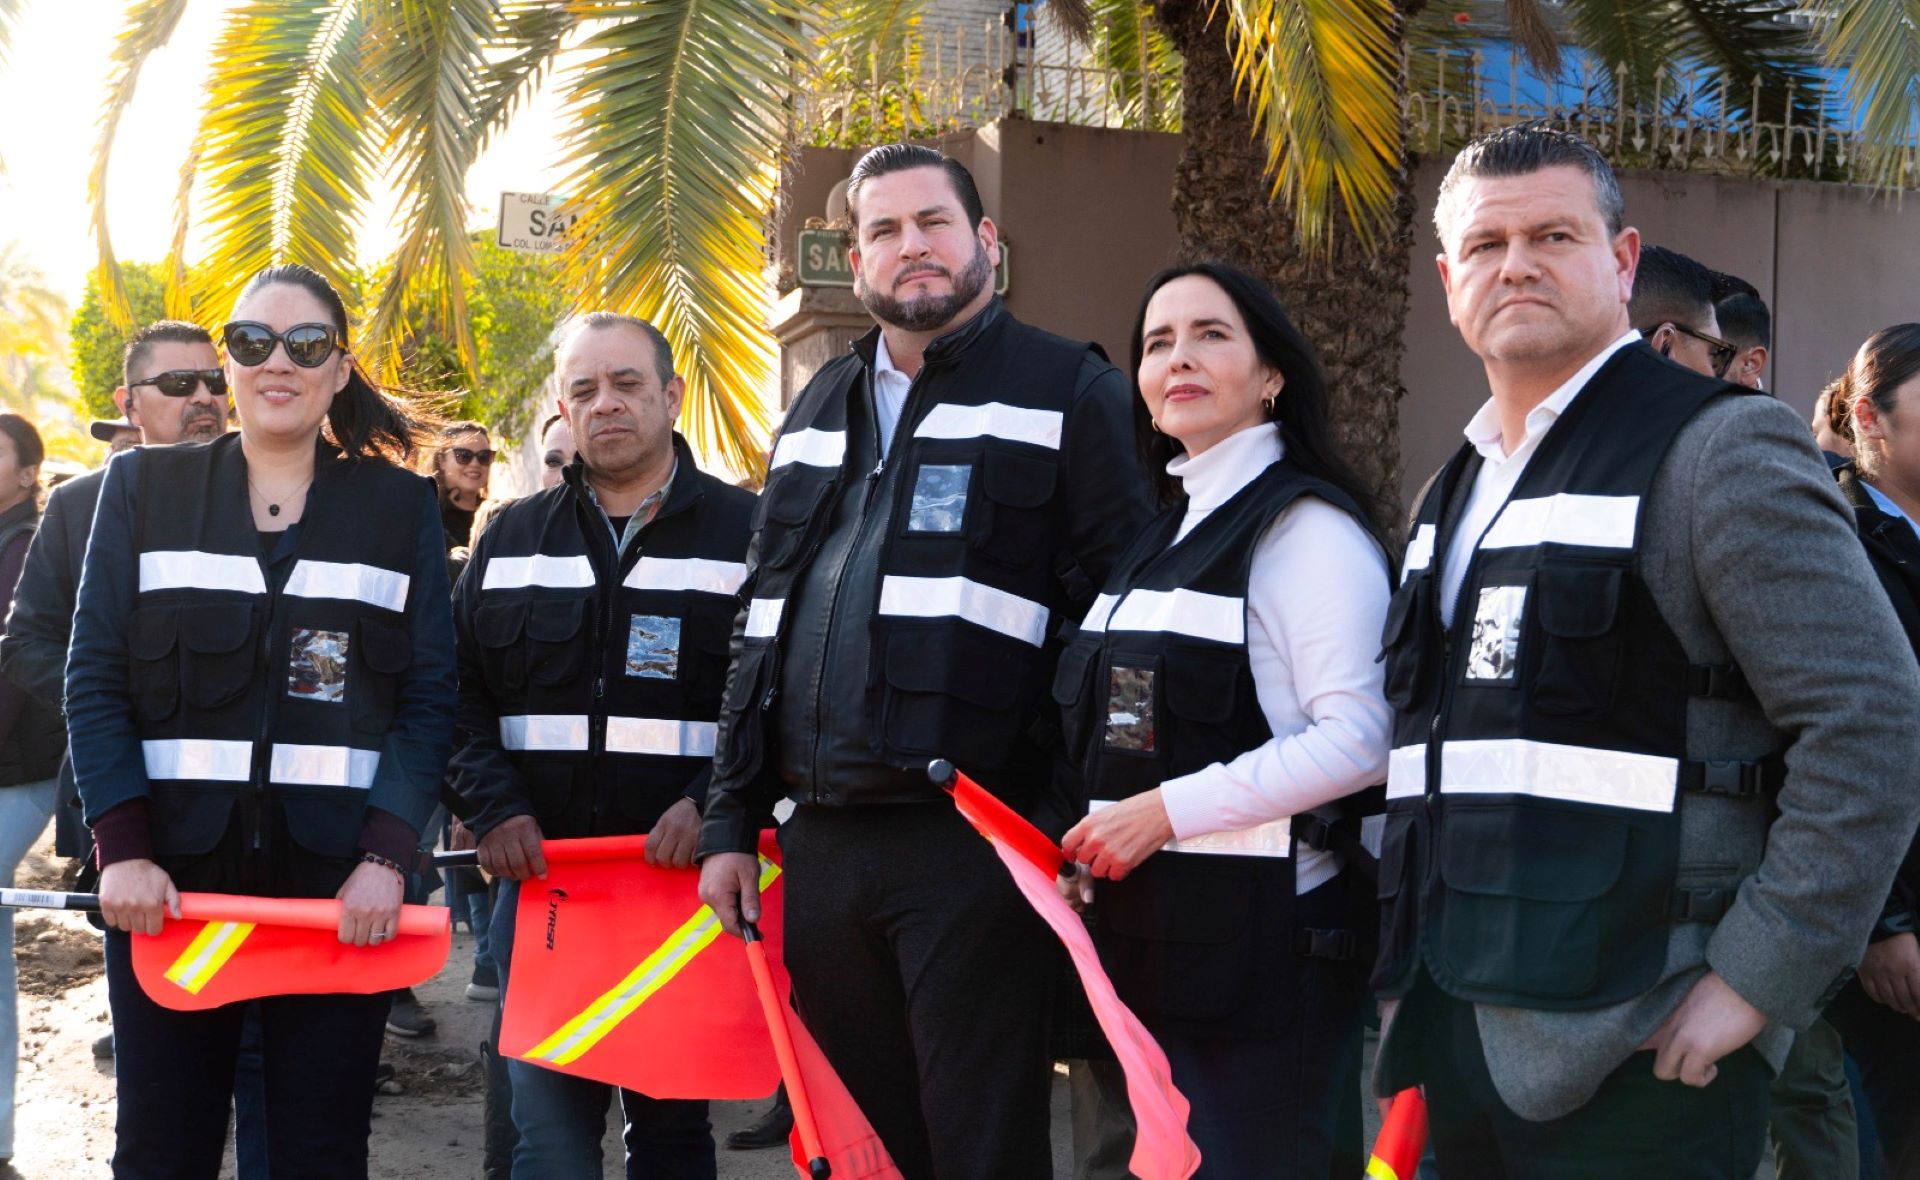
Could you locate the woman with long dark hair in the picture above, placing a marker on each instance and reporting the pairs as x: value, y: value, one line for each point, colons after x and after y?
x: 1878, y: 1014
x: 1223, y: 700
x: 462, y: 468
x: 31, y: 737
x: 262, y: 667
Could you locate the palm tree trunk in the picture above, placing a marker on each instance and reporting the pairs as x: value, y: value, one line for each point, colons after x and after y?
x: 1351, y: 304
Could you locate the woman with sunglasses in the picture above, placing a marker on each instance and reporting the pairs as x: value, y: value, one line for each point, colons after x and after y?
x: 462, y: 464
x: 262, y: 667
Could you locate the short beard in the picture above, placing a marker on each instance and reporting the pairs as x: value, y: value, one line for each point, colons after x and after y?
x: 924, y: 313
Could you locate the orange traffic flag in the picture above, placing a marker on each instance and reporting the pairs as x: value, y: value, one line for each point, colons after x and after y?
x: 1403, y: 1137
x: 615, y: 976
x: 226, y: 948
x: 830, y: 1136
x: 1162, y: 1150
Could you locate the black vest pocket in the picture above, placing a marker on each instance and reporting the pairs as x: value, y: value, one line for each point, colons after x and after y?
x: 498, y: 628
x: 1177, y: 937
x: 382, y: 650
x: 1581, y: 643
x: 1011, y: 525
x: 1071, y: 676
x: 954, y: 691
x: 189, y: 818
x: 749, y: 680
x: 325, y: 821
x: 703, y: 659
x: 217, y: 653
x: 153, y: 663
x: 1521, y: 911
x: 785, y: 516
x: 559, y: 803
x: 555, y: 655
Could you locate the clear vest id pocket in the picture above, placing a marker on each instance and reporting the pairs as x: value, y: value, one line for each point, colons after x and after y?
x: 653, y: 647
x: 318, y: 670
x: 1130, y: 721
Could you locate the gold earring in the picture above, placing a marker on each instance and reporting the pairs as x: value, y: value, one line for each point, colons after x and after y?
x: 1268, y: 405
x: 1155, y: 422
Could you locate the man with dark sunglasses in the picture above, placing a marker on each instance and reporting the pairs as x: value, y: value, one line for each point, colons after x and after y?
x: 1672, y: 307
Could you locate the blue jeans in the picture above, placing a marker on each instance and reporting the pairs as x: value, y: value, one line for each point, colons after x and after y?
x: 24, y: 811
x: 561, y: 1118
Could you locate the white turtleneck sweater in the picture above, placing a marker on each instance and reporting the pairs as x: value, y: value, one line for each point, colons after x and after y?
x: 1316, y: 605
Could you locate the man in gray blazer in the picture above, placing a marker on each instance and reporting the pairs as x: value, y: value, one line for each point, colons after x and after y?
x: 1650, y: 845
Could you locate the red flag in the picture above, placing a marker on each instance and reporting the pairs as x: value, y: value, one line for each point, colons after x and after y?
x: 1403, y: 1137
x: 227, y: 948
x: 830, y: 1135
x: 615, y: 976
x: 1161, y: 1147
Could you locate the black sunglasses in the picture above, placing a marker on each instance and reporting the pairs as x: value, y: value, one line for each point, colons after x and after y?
x: 182, y: 382
x: 250, y: 343
x: 1722, y: 351
x: 463, y: 456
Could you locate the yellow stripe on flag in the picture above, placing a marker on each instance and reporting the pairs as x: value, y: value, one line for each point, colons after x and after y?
x: 207, y: 953
x: 601, y: 1017
x: 1379, y: 1169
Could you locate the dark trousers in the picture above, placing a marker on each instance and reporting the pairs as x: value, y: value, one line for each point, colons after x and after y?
x: 559, y: 1118
x: 1285, y: 1107
x: 1635, y: 1126
x: 175, y: 1080
x: 1885, y: 1045
x: 927, y: 980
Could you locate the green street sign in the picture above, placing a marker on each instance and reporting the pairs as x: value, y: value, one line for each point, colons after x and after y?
x: 822, y: 261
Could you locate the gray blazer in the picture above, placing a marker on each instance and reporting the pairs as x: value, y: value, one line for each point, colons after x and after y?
x: 1751, y: 555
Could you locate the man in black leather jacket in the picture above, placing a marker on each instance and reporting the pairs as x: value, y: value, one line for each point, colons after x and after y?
x: 940, y: 505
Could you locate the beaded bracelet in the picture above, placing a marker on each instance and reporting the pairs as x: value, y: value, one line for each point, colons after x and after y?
x: 374, y: 858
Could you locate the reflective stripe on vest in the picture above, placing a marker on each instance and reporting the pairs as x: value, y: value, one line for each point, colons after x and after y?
x: 1419, y: 552
x: 1174, y: 612
x: 191, y: 569
x: 349, y: 580
x: 323, y: 766
x: 1271, y: 839
x: 1565, y: 518
x: 811, y: 448
x: 964, y: 598
x: 1041, y: 428
x: 646, y: 735
x: 552, y: 573
x: 198, y: 758
x: 625, y: 735
x: 699, y: 574
x: 1542, y: 770
x: 763, y: 617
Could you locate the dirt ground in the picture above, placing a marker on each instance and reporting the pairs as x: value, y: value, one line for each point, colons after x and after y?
x: 433, y: 1129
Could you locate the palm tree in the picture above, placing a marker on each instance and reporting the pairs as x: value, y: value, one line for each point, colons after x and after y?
x: 1296, y: 161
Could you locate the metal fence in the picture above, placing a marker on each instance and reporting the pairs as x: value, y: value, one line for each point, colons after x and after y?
x: 959, y: 78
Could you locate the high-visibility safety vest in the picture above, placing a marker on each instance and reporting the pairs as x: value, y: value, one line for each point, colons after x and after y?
x: 606, y: 672
x: 1539, y: 768
x: 971, y: 580
x: 249, y: 690
x: 1157, y: 683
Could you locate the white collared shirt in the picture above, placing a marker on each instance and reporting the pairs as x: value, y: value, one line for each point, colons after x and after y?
x: 1500, y: 471
x: 889, y: 393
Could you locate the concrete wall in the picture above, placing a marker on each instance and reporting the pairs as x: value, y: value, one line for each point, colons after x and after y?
x: 1087, y: 213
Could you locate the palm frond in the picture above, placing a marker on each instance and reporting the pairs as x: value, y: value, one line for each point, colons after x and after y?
x: 874, y: 37
x: 679, y: 121
x: 1076, y: 19
x: 285, y: 145
x: 1745, y: 43
x: 1530, y: 29
x: 531, y: 33
x: 10, y: 13
x: 430, y: 75
x: 149, y: 24
x: 177, y: 291
x: 1321, y: 81
x: 1877, y: 42
x: 1633, y: 41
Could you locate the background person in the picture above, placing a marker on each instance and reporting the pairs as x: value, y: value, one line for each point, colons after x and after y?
x: 1672, y: 307
x: 1878, y: 1014
x: 462, y: 466
x: 346, y: 728
x: 1227, y: 927
x: 556, y: 449
x: 31, y: 738
x: 1747, y: 324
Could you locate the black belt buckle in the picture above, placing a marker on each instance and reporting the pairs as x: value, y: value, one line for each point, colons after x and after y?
x: 1728, y: 777
x: 1338, y: 945
x: 1699, y: 903
x: 1312, y: 831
